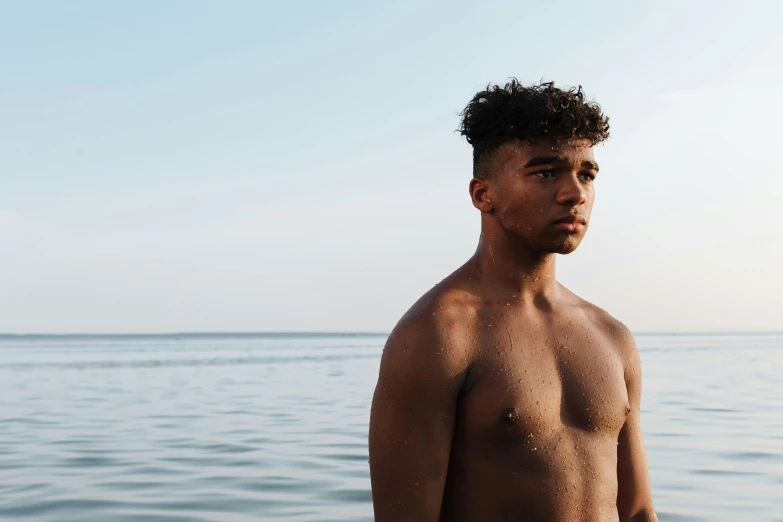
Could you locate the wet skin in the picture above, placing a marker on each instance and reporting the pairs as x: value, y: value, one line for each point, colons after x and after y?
x: 502, y: 396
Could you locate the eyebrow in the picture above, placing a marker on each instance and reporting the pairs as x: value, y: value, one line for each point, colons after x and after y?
x: 547, y: 160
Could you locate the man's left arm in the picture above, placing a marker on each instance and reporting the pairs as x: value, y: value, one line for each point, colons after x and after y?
x: 634, y: 497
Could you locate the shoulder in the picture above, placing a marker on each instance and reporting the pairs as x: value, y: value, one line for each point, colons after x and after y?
x: 611, y: 329
x: 436, y: 334
x: 620, y: 338
x: 615, y: 331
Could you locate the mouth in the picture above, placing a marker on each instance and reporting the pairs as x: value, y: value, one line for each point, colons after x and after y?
x: 571, y: 223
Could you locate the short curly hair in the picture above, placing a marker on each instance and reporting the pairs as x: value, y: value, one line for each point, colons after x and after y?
x: 498, y: 115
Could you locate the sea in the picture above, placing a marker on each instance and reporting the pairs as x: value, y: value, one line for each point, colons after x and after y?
x: 273, y: 427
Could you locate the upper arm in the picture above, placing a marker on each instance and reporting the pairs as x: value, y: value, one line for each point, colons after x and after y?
x: 412, y: 420
x: 634, y: 497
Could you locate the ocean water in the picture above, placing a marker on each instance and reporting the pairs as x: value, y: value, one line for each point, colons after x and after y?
x: 274, y: 427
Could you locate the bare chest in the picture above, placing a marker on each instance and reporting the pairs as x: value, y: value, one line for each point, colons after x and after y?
x: 533, y: 385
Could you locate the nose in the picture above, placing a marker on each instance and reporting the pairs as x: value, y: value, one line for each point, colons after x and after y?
x: 570, y: 191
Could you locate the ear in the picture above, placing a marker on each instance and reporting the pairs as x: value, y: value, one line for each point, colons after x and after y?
x: 480, y: 194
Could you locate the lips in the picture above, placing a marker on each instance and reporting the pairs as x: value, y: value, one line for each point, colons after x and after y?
x: 571, y: 218
x: 571, y: 224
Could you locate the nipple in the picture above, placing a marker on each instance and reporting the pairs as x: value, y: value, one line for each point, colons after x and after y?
x: 509, y: 416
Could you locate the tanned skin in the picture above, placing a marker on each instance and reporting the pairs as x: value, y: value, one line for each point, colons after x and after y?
x: 502, y: 396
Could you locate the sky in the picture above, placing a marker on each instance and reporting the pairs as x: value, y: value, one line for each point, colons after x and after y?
x: 288, y: 166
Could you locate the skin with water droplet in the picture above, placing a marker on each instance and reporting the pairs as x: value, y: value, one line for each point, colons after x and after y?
x: 530, y: 413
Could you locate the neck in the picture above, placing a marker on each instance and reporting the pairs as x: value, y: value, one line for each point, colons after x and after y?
x: 513, y: 267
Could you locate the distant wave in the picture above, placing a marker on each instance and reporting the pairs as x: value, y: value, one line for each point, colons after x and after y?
x: 172, y: 363
x: 191, y: 335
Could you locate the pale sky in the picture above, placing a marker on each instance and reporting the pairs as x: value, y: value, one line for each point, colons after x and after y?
x: 255, y: 166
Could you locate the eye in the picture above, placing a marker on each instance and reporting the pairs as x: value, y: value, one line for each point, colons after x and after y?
x: 546, y: 174
x: 586, y: 176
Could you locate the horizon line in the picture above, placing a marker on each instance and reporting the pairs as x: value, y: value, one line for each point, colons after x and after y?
x: 344, y: 333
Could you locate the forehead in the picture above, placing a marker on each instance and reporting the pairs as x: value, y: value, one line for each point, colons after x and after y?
x: 572, y: 151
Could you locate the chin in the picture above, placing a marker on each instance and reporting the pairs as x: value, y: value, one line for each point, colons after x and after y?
x: 567, y: 245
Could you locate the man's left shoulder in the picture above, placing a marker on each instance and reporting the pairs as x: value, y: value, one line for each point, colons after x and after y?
x: 611, y: 329
x: 618, y: 338
x: 614, y: 330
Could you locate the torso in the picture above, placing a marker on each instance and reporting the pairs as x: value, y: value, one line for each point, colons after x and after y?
x: 538, y: 418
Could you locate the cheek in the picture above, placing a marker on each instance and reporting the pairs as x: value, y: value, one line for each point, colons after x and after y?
x: 522, y: 208
x: 588, y: 206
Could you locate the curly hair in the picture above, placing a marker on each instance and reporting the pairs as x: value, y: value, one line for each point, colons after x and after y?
x: 498, y: 115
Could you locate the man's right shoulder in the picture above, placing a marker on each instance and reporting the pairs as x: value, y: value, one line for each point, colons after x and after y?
x: 440, y: 328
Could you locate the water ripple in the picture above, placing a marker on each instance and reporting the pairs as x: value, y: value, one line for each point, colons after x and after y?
x: 243, y: 428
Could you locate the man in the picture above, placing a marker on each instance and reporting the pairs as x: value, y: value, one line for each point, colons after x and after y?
x: 502, y: 396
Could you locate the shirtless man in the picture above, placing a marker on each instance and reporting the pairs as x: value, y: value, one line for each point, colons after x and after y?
x: 502, y: 396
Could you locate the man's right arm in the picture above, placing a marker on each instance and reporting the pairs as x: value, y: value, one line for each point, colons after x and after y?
x: 412, y: 419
